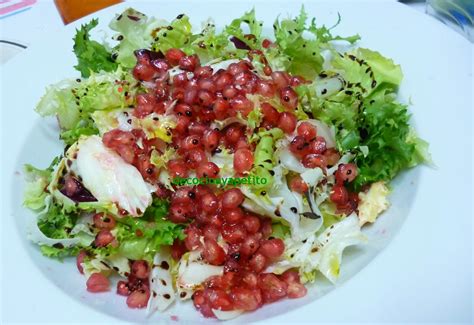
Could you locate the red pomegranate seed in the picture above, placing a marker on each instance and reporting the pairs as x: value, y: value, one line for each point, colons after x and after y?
x: 233, y: 234
x: 250, y: 245
x: 174, y: 56
x: 289, y: 98
x: 339, y: 195
x: 314, y: 160
x: 212, y: 252
x: 252, y: 224
x: 233, y: 215
x: 98, y: 282
x: 122, y: 288
x: 272, y: 248
x: 232, y: 198
x: 140, y: 269
x: 246, y: 299
x: 207, y: 169
x: 103, y: 238
x: 272, y: 288
x: 346, y: 173
x: 298, y: 185
x: 280, y: 79
x: 258, y: 262
x: 139, y: 298
x: 307, y: 131
x: 318, y: 145
x: 287, y: 122
x: 80, y: 259
x: 243, y: 160
x: 189, y: 63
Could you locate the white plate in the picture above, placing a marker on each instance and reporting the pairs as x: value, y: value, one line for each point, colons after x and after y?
x: 424, y: 274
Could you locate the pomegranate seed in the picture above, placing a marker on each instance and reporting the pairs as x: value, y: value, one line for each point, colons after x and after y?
x: 246, y: 299
x: 243, y: 160
x: 280, y: 79
x: 174, y: 56
x: 272, y: 248
x: 212, y: 252
x: 314, y: 160
x: 104, y: 221
x: 189, y: 63
x: 289, y: 98
x: 122, y: 288
x: 287, y: 122
x: 140, y: 269
x: 80, y: 259
x: 272, y: 288
x: 139, y: 298
x: 318, y: 145
x: 346, y: 173
x: 207, y: 169
x: 232, y: 198
x: 98, y: 282
x: 339, y: 195
x: 103, y: 238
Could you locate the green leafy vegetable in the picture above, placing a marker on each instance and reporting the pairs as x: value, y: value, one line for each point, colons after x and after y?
x: 37, y: 180
x: 142, y: 237
x: 134, y: 32
x: 55, y: 223
x: 73, y: 101
x: 91, y: 55
x: 59, y: 253
x: 299, y: 54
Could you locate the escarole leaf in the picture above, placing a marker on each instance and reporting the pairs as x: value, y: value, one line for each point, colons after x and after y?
x: 91, y: 55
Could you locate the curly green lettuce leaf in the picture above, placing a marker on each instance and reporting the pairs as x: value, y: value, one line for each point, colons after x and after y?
x: 384, y: 129
x: 175, y: 35
x: 91, y: 55
x: 154, y: 229
x: 135, y: 31
x: 211, y: 45
x: 59, y: 252
x: 301, y: 55
x: 367, y: 70
x: 73, y: 101
x: 251, y: 36
x: 37, y: 181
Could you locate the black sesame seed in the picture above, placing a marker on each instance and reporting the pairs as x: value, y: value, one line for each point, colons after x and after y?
x: 324, y: 91
x: 120, y: 37
x: 294, y: 210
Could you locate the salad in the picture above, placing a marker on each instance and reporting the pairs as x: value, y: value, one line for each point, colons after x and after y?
x: 227, y: 167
